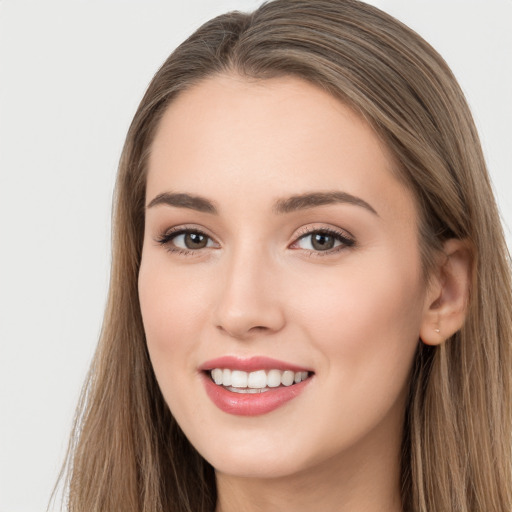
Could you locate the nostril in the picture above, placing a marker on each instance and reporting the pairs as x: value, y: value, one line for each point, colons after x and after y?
x: 241, y: 332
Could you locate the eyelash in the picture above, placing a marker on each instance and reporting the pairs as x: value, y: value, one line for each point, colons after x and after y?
x: 166, y: 238
x: 346, y: 240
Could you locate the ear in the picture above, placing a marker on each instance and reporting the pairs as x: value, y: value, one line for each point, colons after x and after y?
x: 448, y: 294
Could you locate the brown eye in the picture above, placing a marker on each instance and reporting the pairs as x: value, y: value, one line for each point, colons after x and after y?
x: 195, y: 240
x: 322, y: 241
x: 186, y: 240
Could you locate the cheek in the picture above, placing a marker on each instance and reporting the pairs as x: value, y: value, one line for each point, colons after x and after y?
x: 170, y: 295
x: 365, y: 317
x: 171, y: 317
x: 365, y: 325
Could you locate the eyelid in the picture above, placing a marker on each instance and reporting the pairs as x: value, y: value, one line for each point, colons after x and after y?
x: 166, y: 237
x: 346, y: 239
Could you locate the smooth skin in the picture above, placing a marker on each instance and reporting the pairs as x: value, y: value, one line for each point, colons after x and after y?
x: 337, y: 288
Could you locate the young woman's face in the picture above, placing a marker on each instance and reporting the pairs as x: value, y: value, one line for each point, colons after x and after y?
x: 279, y: 245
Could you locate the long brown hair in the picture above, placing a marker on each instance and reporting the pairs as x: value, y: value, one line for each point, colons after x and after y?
x: 127, y: 453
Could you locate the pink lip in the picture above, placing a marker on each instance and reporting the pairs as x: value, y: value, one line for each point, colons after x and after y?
x: 250, y: 364
x: 250, y: 404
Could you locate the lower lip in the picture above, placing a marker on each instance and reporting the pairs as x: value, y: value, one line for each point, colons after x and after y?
x: 251, y: 404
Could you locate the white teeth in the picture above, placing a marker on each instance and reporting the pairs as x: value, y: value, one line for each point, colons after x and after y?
x: 287, y: 378
x: 274, y: 378
x: 300, y: 376
x: 257, y: 379
x: 217, y: 376
x: 226, y: 377
x: 239, y: 379
x: 253, y: 382
x: 247, y: 390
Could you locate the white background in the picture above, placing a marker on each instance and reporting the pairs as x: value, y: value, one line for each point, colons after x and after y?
x: 71, y: 75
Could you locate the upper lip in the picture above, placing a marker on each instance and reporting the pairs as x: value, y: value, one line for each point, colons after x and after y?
x: 250, y: 364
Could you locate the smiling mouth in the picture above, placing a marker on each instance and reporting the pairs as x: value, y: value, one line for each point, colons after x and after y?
x: 259, y: 381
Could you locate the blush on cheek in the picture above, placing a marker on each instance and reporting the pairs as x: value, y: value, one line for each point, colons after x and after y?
x: 367, y: 315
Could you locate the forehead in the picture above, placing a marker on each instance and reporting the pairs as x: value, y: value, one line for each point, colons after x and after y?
x: 266, y: 139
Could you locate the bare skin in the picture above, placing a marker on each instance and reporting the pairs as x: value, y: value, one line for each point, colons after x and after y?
x: 276, y: 227
x: 345, y: 487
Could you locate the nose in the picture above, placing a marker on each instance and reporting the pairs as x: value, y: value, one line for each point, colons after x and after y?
x: 249, y: 302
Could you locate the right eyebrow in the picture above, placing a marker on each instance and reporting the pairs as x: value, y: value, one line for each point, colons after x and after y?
x: 313, y: 199
x: 184, y: 201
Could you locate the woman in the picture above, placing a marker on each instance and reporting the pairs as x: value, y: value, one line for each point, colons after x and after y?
x: 310, y: 295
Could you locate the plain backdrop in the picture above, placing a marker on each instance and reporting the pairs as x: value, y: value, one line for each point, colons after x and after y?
x: 71, y: 75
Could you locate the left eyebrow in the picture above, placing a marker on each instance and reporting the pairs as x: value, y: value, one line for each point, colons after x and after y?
x: 313, y: 199
x: 198, y: 203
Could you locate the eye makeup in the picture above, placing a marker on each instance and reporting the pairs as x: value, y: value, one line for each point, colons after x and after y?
x: 186, y: 240
x: 317, y: 241
x: 323, y: 241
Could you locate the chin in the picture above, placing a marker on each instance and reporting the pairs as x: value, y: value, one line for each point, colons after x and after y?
x: 261, y: 455
x: 252, y: 456
x: 257, y: 467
